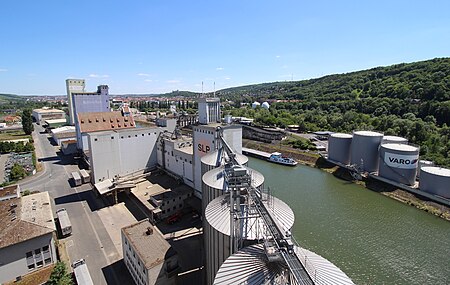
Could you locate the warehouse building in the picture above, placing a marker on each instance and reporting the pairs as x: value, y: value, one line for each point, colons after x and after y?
x: 41, y: 115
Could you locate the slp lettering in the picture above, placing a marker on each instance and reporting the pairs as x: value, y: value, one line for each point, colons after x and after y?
x: 203, y: 148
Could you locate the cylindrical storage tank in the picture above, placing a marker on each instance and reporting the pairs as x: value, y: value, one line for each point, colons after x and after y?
x: 394, y: 139
x: 215, y: 159
x: 423, y: 163
x: 435, y: 180
x: 398, y: 162
x: 214, y: 185
x: 217, y: 229
x: 364, y: 150
x: 339, y: 147
x: 251, y: 266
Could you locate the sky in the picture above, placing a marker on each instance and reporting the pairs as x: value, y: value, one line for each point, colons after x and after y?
x: 157, y: 46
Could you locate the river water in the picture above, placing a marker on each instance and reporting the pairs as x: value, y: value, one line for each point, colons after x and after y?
x: 372, y: 238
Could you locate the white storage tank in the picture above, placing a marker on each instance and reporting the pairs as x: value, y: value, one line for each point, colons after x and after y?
x: 255, y: 104
x: 250, y: 266
x: 214, y: 185
x: 423, y: 163
x: 265, y: 105
x: 398, y: 162
x: 217, y: 229
x: 435, y: 180
x: 364, y: 150
x: 216, y: 158
x: 394, y: 139
x: 339, y: 147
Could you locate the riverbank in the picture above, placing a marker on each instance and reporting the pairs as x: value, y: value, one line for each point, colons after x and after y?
x: 315, y: 160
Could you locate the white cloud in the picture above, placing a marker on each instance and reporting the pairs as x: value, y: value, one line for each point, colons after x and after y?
x: 93, y: 75
x: 143, y: 74
x: 148, y: 80
x: 3, y: 69
x: 227, y: 78
x: 173, y: 81
x: 220, y: 68
x: 285, y: 66
x: 278, y: 56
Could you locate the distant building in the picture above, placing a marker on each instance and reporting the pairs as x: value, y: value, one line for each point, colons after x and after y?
x: 73, y: 85
x: 9, y: 192
x: 255, y: 104
x: 265, y: 105
x: 148, y: 256
x: 41, y: 115
x: 27, y: 235
x: 208, y: 110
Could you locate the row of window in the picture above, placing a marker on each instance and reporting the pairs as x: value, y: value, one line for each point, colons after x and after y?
x: 38, y: 257
x: 129, y: 136
x: 203, y: 131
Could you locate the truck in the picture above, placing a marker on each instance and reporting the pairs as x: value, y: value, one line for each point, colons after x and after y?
x: 84, y: 176
x: 64, y: 222
x: 76, y: 178
x: 81, y: 272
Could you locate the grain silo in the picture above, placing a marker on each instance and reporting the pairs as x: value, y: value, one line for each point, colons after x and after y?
x: 364, y: 150
x: 398, y: 162
x: 251, y: 266
x: 435, y: 180
x: 216, y: 158
x: 214, y: 184
x: 339, y: 147
x: 217, y: 228
x: 394, y: 139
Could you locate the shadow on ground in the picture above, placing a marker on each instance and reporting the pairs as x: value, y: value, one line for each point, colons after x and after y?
x: 121, y: 276
x: 87, y: 195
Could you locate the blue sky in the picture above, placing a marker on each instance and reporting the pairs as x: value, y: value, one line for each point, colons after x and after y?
x: 160, y: 46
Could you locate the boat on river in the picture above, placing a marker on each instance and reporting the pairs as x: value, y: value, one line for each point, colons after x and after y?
x: 276, y: 157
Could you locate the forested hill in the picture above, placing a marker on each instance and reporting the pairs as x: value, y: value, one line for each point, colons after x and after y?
x: 410, y: 100
x: 421, y: 88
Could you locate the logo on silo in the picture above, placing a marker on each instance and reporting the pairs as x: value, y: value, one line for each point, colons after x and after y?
x: 401, y: 161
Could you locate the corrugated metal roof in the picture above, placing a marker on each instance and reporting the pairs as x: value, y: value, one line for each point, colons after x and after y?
x: 217, y: 214
x: 215, y: 177
x: 250, y: 266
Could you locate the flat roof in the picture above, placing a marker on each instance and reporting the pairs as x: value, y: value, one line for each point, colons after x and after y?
x: 148, y: 243
x: 55, y: 121
x: 48, y: 111
x: 25, y: 218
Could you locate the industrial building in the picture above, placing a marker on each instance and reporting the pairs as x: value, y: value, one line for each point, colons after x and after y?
x: 209, y: 110
x: 73, y: 85
x: 9, y: 192
x: 116, y: 153
x: 147, y: 255
x: 62, y: 134
x: 100, y: 121
x: 27, y: 235
x: 41, y: 115
x: 88, y: 102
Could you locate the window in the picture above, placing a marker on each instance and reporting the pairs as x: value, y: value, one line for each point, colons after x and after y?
x: 174, y: 208
x: 29, y: 254
x: 37, y: 251
x: 45, y: 248
x: 179, y: 198
x: 126, y: 242
x: 48, y: 260
x: 95, y: 139
x: 31, y: 266
x: 39, y: 263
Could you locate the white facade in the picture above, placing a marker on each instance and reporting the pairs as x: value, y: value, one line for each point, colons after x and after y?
x: 208, y: 110
x: 87, y: 102
x: 121, y: 152
x: 73, y: 85
x: 206, y: 140
x: 148, y: 256
x: 41, y: 115
x: 176, y: 156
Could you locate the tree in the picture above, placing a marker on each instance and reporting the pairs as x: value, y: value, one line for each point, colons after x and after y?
x: 59, y: 275
x: 17, y: 172
x: 27, y: 122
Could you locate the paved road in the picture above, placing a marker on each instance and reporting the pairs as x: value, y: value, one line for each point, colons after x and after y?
x: 89, y: 239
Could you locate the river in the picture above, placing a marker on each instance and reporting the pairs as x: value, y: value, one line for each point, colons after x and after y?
x: 372, y: 238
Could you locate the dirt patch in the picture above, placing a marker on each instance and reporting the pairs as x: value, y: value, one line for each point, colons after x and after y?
x: 38, y: 277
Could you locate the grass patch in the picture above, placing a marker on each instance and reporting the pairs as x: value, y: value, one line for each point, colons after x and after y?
x: 13, y: 135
